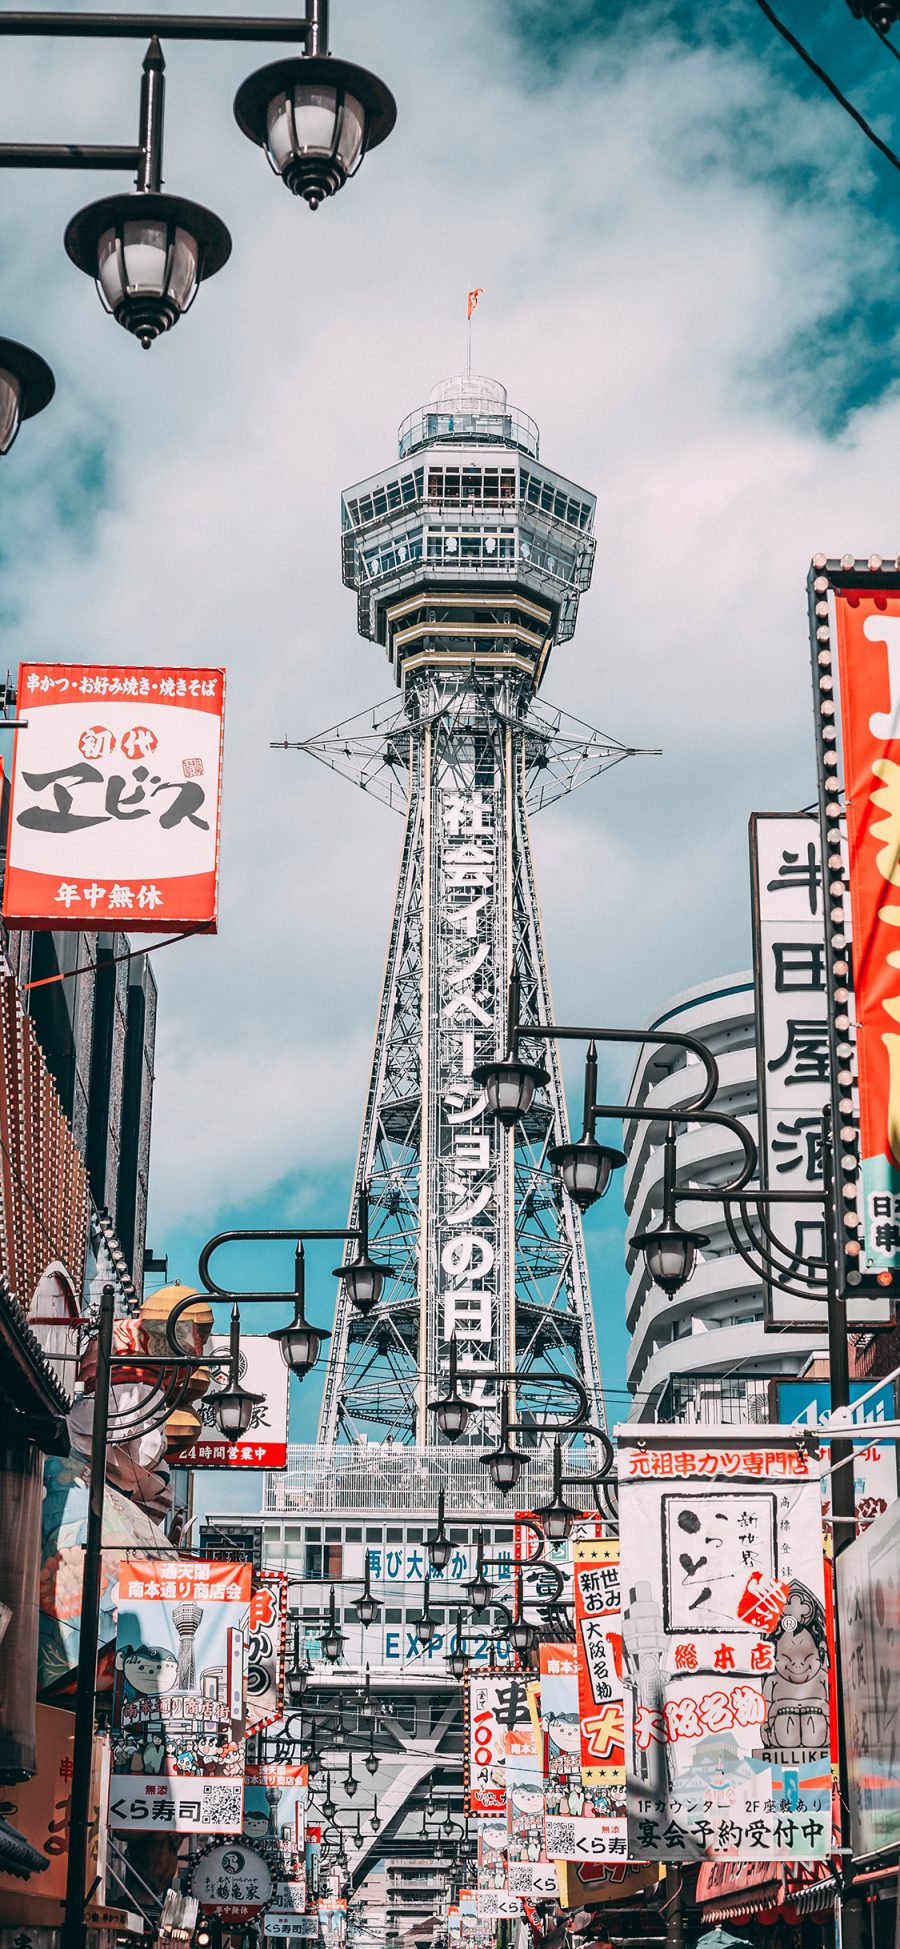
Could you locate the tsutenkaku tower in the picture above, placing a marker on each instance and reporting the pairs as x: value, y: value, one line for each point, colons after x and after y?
x: 468, y: 557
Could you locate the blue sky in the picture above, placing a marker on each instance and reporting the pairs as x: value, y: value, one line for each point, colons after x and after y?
x: 690, y: 272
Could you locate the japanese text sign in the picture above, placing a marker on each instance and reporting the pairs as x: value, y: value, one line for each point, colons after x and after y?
x: 725, y: 1645
x: 265, y: 1649
x: 598, y: 1638
x: 178, y: 1702
x: 494, y: 1706
x: 114, y: 816
x: 583, y: 1823
x: 233, y: 1882
x: 264, y: 1445
x: 792, y: 1038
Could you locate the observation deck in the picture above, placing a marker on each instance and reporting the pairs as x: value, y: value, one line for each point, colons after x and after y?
x: 471, y: 522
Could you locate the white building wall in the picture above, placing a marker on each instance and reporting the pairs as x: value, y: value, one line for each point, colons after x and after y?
x: 704, y: 1355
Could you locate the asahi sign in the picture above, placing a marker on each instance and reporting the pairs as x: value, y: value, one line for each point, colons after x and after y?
x: 855, y: 628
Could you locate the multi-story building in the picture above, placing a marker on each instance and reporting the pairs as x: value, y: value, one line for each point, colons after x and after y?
x: 703, y: 1355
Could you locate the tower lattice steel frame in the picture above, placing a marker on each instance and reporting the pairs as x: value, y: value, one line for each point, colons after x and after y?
x: 468, y: 557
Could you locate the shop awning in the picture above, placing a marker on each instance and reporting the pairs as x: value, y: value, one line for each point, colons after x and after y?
x: 735, y: 1890
x: 17, y: 1856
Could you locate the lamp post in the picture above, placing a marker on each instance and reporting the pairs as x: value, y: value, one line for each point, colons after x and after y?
x: 670, y: 1249
x: 234, y: 1413
x: 148, y: 251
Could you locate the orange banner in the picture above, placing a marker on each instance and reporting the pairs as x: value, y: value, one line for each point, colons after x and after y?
x: 868, y: 640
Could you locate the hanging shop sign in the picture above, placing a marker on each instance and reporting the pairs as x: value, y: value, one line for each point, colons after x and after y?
x: 726, y: 1645
x: 492, y: 1843
x: 586, y: 1884
x: 497, y: 1904
x: 529, y: 1873
x: 493, y: 1707
x: 114, y: 813
x: 266, y: 1637
x: 264, y: 1445
x: 583, y: 1823
x: 855, y: 608
x: 178, y: 1703
x: 297, y: 1928
x: 40, y: 1810
x: 792, y: 1051
x: 868, y: 1603
x: 807, y: 1404
x: 598, y: 1639
x: 232, y: 1882
x: 276, y: 1795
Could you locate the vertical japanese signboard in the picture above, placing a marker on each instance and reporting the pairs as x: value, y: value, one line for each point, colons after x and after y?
x: 868, y: 1605
x: 266, y: 1634
x: 725, y: 1643
x: 529, y: 1874
x: 791, y: 1040
x: 493, y: 1707
x: 598, y: 1639
x: 855, y: 611
x: 584, y: 1823
x: 178, y: 1702
x: 114, y: 815
x: 465, y: 836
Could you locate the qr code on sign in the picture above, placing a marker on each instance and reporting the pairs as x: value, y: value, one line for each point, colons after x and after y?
x: 222, y: 1807
x: 192, y: 767
x: 520, y: 1877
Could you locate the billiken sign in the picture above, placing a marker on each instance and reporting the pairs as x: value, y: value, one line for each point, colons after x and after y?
x: 114, y: 814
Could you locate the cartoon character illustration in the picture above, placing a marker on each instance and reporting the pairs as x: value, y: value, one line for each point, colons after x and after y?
x: 796, y: 1692
x: 233, y: 1861
x: 150, y: 1669
x: 154, y: 1753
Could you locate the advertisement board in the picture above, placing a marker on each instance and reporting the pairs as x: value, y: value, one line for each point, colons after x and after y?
x: 114, y: 812
x: 583, y: 1823
x: 178, y: 1698
x: 598, y: 1640
x: 232, y: 1881
x: 792, y: 1048
x: 266, y: 1635
x: 855, y: 633
x: 264, y: 1446
x: 868, y: 1604
x: 494, y: 1706
x: 725, y: 1644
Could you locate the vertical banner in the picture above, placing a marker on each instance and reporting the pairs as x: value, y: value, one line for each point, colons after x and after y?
x: 494, y: 1706
x: 792, y: 1048
x: 529, y: 1872
x: 266, y: 1632
x: 583, y: 1823
x: 178, y: 1702
x: 725, y: 1645
x: 598, y: 1638
x: 855, y: 634
x: 114, y: 813
x: 275, y: 1801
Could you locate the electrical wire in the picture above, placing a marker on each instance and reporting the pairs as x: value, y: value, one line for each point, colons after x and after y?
x: 827, y: 82
x: 885, y: 41
x: 93, y: 967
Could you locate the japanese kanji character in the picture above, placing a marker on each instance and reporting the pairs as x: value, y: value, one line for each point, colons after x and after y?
x: 797, y: 871
x: 723, y: 1658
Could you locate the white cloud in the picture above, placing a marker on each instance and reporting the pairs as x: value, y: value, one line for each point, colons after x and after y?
x: 647, y: 281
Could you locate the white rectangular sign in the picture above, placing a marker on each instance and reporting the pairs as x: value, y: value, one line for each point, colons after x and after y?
x: 264, y: 1446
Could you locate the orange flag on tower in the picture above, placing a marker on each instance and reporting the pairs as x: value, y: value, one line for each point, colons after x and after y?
x: 473, y: 299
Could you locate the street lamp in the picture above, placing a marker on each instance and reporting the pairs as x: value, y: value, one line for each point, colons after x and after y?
x: 424, y: 1624
x: 374, y: 1821
x: 333, y: 1637
x: 522, y: 1635
x: 371, y: 1759
x: 505, y: 1462
x: 315, y: 119
x: 509, y: 1082
x: 299, y: 1342
x: 363, y: 1277
x: 350, y: 1782
x: 297, y: 1676
x: 669, y: 1250
x: 27, y: 385
x: 457, y: 1660
x: 366, y: 1702
x: 233, y: 1406
x: 558, y: 1515
x: 367, y: 1606
x: 437, y: 1542
x: 451, y: 1411
x: 479, y: 1588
